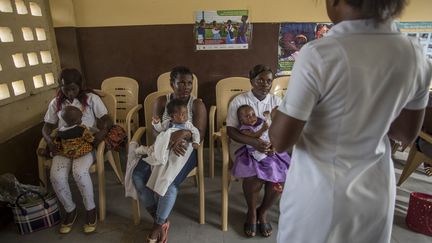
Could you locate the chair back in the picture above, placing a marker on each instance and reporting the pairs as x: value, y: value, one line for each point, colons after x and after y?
x: 110, y: 103
x: 148, y: 113
x: 226, y: 90
x: 125, y: 90
x: 163, y: 83
x: 280, y: 86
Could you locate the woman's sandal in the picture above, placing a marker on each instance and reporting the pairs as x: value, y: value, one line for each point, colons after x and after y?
x: 90, y: 227
x: 266, y: 229
x: 151, y: 240
x: 249, y: 229
x: 165, y: 228
x: 66, y: 228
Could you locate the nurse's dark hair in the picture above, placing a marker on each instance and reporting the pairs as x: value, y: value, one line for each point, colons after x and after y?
x: 255, y: 71
x: 179, y: 70
x: 379, y: 10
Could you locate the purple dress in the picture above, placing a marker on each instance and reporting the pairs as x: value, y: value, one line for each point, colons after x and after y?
x: 272, y: 168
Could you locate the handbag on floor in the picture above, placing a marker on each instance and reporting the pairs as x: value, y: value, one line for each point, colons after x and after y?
x: 36, y: 213
x: 419, y: 216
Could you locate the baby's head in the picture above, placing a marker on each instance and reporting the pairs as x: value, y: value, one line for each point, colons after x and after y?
x: 246, y: 115
x: 177, y: 110
x: 71, y: 115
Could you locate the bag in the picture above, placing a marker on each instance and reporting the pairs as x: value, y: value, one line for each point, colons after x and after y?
x: 419, y: 216
x: 39, y: 213
x: 116, y: 138
x: 6, y: 215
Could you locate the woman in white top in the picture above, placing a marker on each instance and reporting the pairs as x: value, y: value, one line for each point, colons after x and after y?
x: 267, y: 174
x: 95, y: 117
x: 349, y: 92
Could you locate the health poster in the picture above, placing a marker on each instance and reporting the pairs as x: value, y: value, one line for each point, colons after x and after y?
x: 292, y: 36
x: 420, y: 30
x: 222, y: 30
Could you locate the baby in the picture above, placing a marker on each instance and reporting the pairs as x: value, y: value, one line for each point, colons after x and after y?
x: 177, y: 110
x: 255, y: 127
x: 73, y: 140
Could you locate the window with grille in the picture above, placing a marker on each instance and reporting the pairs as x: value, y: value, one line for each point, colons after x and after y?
x: 28, y: 55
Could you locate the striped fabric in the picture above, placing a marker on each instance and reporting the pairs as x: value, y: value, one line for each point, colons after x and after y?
x: 36, y: 216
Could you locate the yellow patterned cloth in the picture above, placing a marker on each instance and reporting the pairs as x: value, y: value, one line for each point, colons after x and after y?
x: 75, y: 142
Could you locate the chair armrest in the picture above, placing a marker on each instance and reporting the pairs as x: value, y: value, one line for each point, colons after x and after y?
x: 426, y: 137
x: 42, y: 144
x: 138, y: 134
x: 212, y: 117
x: 225, y: 148
x: 100, y: 156
x: 129, y: 115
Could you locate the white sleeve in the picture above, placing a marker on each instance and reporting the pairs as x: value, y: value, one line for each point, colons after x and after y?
x: 196, y: 138
x: 231, y: 119
x: 422, y: 81
x: 158, y: 126
x: 98, y: 106
x: 51, y: 114
x: 165, y: 124
x: 303, y: 93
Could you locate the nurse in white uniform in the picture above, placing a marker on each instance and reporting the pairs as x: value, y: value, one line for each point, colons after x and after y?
x: 349, y: 92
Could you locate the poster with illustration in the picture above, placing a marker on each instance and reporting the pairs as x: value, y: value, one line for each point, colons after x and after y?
x: 222, y: 30
x: 420, y: 30
x: 292, y: 36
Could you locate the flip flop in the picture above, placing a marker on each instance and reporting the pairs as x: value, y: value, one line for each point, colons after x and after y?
x: 249, y: 229
x: 165, y: 228
x: 266, y: 229
x: 149, y: 240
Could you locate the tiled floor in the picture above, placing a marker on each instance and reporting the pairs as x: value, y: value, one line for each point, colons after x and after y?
x: 118, y: 226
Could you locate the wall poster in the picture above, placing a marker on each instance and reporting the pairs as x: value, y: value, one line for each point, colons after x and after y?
x: 222, y: 30
x: 420, y: 30
x: 292, y: 36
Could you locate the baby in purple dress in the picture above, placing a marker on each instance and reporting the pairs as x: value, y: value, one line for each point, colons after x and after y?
x: 250, y: 162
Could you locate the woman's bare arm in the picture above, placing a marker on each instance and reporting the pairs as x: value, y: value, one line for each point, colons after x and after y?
x: 427, y: 121
x: 258, y: 144
x: 256, y: 134
x: 46, y: 133
x: 200, y: 117
x: 285, y: 131
x: 406, y: 127
x: 103, y: 124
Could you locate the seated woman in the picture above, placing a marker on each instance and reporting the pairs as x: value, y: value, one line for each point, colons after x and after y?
x: 159, y: 207
x: 95, y: 117
x: 268, y: 171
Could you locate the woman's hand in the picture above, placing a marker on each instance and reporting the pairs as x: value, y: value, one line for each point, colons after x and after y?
x: 52, y: 148
x: 179, y: 148
x: 99, y: 137
x: 178, y: 141
x: 262, y: 146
